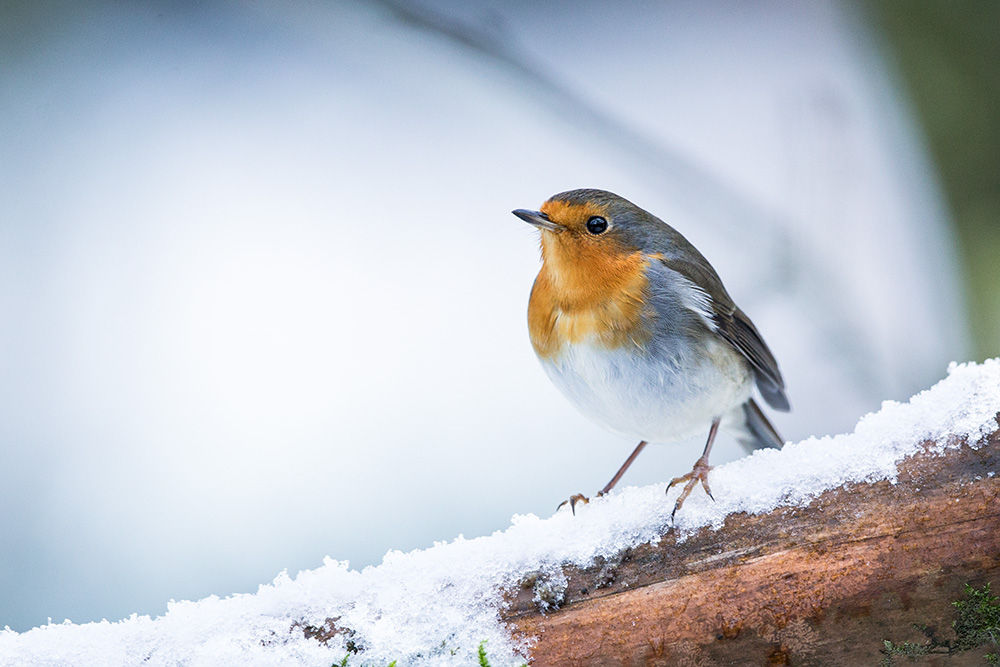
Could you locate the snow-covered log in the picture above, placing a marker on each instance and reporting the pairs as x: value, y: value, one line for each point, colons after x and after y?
x: 816, y: 554
x: 826, y: 583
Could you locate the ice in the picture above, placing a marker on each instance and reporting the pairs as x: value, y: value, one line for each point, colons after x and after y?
x: 435, y: 606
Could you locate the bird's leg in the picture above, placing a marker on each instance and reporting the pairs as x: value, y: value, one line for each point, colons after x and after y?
x: 621, y: 471
x: 580, y: 498
x: 699, y: 473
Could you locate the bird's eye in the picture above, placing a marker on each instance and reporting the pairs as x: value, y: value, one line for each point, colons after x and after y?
x: 597, y: 225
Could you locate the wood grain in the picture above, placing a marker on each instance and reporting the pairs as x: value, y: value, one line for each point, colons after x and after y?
x: 823, y: 584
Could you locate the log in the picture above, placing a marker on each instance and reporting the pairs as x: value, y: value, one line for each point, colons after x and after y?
x: 823, y: 584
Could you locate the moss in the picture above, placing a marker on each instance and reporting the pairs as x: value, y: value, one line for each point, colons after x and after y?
x: 978, y: 620
x: 978, y: 624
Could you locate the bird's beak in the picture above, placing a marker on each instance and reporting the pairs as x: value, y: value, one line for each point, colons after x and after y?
x: 538, y: 219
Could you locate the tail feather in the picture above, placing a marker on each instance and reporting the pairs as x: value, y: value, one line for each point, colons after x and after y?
x: 773, y: 393
x: 753, y: 431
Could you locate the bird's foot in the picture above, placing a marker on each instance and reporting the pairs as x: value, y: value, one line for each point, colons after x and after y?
x: 573, y: 500
x: 699, y: 473
x: 577, y: 498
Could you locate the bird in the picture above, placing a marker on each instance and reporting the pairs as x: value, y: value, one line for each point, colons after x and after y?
x: 635, y: 328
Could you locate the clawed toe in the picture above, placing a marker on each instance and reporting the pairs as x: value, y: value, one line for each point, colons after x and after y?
x: 698, y: 474
x: 574, y: 499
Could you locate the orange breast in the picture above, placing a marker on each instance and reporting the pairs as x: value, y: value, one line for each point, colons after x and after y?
x: 587, y: 292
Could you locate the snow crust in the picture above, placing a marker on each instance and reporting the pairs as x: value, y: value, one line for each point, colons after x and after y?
x: 435, y: 606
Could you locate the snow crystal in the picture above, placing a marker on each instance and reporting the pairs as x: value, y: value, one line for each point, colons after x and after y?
x: 435, y: 606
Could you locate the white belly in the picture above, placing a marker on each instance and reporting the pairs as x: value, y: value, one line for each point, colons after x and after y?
x: 663, y: 400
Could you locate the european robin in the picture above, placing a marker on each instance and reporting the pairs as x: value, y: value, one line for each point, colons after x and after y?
x: 634, y: 326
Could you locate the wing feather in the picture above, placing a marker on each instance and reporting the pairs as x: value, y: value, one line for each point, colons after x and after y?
x: 735, y: 328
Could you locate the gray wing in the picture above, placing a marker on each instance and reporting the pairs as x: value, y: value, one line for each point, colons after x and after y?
x: 734, y: 326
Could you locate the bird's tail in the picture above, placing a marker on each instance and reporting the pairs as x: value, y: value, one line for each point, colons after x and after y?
x: 752, y: 429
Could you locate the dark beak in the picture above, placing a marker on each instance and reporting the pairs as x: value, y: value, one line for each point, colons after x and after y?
x: 538, y: 219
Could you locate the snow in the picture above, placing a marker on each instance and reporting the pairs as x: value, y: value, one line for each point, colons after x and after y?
x: 435, y: 606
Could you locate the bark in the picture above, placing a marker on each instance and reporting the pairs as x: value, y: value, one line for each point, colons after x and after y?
x: 824, y: 584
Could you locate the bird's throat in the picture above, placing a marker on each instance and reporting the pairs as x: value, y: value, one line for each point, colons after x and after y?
x: 584, y: 294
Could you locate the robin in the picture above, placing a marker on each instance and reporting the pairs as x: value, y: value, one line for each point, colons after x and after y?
x: 634, y: 326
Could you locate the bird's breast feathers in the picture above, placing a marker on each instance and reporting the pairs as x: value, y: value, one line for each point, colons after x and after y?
x: 602, y: 301
x: 621, y: 353
x: 658, y: 395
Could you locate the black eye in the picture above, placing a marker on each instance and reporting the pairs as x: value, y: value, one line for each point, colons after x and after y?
x: 597, y: 225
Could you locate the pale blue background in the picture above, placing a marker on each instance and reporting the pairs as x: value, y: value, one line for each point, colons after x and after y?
x: 262, y: 299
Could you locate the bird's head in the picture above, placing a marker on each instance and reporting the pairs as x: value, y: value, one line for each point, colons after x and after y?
x: 593, y: 281
x: 590, y: 236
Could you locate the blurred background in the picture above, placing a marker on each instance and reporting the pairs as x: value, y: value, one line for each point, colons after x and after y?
x: 262, y: 299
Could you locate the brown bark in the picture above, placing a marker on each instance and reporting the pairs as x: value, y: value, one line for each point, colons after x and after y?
x: 823, y: 584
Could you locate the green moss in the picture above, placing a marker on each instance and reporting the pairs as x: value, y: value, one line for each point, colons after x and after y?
x: 483, y: 660
x: 978, y: 624
x: 978, y: 620
x: 911, y: 650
